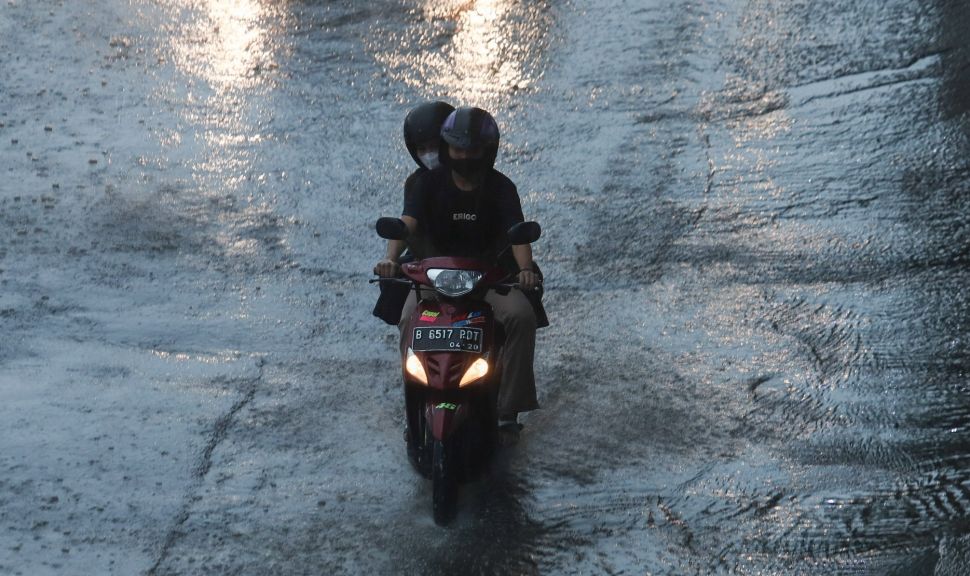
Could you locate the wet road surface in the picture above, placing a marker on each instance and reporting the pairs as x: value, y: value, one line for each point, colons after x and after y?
x: 755, y: 237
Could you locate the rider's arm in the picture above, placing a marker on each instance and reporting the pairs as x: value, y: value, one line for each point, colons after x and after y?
x: 415, y: 197
x: 388, y: 267
x: 528, y: 279
x: 394, y: 249
x: 510, y: 208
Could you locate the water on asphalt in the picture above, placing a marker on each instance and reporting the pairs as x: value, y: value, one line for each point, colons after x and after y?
x: 756, y: 239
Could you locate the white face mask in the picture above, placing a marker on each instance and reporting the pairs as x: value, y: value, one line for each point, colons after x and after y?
x: 430, y: 160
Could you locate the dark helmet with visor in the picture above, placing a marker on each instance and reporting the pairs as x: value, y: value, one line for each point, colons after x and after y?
x: 423, y: 125
x: 470, y: 128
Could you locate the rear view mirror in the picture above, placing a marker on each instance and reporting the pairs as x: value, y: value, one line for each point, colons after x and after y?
x: 524, y: 233
x: 392, y: 228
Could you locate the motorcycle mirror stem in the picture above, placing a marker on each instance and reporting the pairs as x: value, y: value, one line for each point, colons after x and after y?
x: 392, y: 228
x: 521, y: 233
x: 524, y: 233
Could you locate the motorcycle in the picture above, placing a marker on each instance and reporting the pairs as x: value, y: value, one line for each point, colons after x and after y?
x: 452, y: 365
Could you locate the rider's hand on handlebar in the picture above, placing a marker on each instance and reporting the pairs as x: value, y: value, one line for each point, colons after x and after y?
x: 387, y: 268
x: 528, y: 280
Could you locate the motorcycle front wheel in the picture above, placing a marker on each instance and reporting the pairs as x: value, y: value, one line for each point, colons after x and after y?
x: 444, y: 479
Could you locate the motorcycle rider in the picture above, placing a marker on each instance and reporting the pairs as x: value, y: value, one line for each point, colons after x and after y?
x: 422, y: 137
x: 465, y: 208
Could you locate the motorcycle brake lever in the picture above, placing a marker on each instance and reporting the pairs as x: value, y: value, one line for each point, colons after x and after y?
x: 504, y: 289
x: 516, y: 285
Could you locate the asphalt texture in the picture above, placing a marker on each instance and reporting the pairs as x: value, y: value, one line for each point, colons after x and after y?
x: 756, y: 235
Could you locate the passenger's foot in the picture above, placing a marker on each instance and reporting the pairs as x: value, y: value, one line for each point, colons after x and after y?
x: 509, y: 430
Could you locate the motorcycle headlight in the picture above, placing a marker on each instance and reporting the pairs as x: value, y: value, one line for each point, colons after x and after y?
x: 476, y: 371
x: 414, y: 367
x: 454, y: 282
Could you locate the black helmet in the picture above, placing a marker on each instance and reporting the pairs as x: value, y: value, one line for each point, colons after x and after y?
x: 423, y: 124
x: 469, y: 127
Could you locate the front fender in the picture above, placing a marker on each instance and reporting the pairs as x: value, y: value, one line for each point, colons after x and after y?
x: 445, y: 417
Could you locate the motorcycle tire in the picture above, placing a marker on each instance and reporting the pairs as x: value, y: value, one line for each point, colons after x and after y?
x: 444, y: 480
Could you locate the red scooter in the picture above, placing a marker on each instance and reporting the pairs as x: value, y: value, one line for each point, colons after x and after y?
x: 451, y: 365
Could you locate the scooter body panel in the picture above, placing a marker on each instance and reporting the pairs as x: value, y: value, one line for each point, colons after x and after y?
x: 447, y: 405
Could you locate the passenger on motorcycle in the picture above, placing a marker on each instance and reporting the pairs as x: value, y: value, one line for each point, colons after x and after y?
x: 465, y: 208
x: 422, y: 137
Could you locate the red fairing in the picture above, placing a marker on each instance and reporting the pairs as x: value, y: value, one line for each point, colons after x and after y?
x: 445, y: 369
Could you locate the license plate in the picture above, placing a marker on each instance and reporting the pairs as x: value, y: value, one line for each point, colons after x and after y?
x: 432, y: 339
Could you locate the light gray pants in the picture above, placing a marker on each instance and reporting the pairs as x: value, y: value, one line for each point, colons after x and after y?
x: 518, y: 390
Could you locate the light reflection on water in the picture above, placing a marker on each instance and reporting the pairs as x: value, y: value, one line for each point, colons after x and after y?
x: 226, y: 43
x: 474, y: 64
x: 486, y: 56
x: 227, y: 52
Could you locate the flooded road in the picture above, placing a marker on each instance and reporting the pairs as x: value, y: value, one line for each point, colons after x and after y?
x: 756, y: 230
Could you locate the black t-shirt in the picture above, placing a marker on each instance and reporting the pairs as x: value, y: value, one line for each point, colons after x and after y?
x: 460, y: 223
x: 409, y: 186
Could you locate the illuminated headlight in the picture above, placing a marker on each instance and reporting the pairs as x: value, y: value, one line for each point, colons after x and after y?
x: 454, y: 282
x: 414, y: 367
x: 476, y: 371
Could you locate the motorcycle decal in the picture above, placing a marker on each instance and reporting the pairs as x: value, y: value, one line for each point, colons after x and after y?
x: 429, y: 316
x: 470, y: 318
x: 446, y: 406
